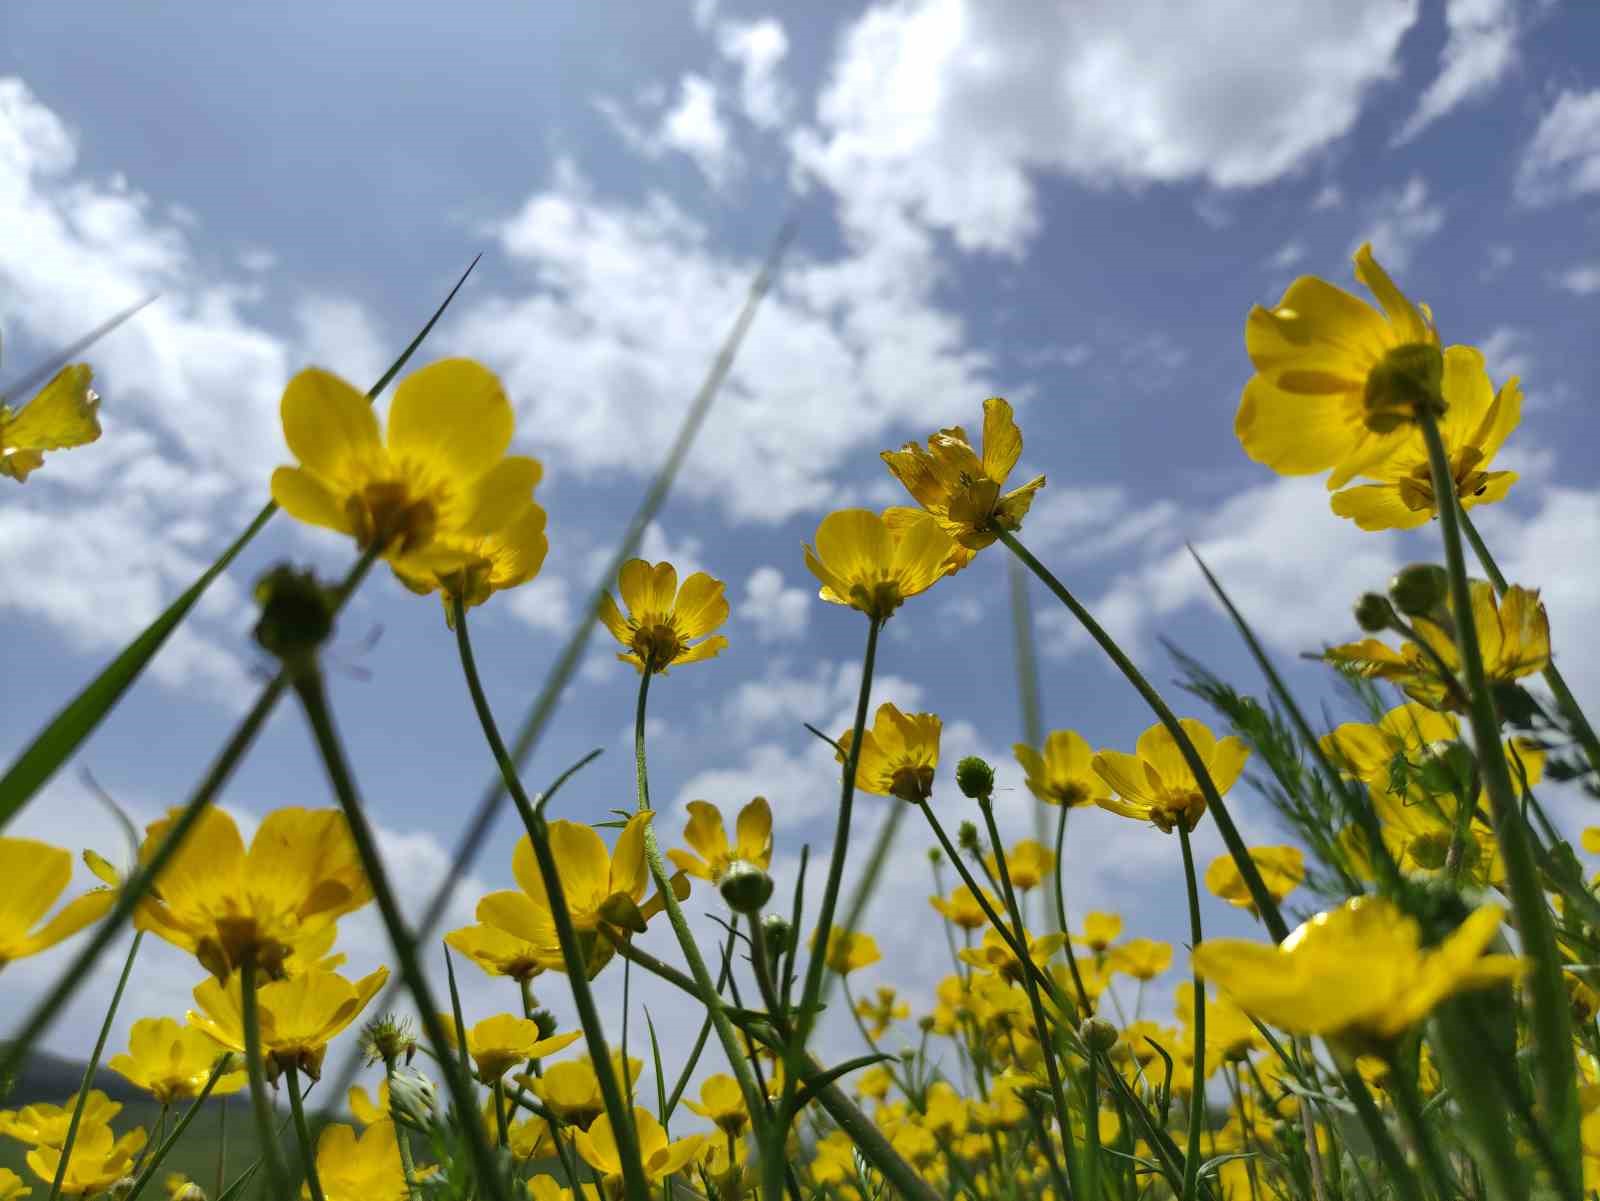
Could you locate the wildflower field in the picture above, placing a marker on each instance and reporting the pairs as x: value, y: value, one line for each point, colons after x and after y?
x: 1414, y: 1018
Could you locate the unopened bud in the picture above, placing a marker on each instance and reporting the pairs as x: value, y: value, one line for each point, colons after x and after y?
x: 745, y: 887
x: 935, y: 856
x: 388, y: 1039
x: 975, y: 778
x: 296, y: 612
x: 412, y: 1098
x: 777, y: 932
x: 967, y: 837
x: 1375, y: 614
x: 1420, y: 589
x: 1098, y: 1034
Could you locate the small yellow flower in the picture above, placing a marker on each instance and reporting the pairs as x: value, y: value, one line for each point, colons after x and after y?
x: 961, y: 489
x: 545, y: 1188
x: 571, y: 1089
x: 360, y: 1167
x: 173, y: 1062
x: 898, y: 754
x: 1230, y: 1034
x: 874, y: 1083
x: 869, y: 564
x: 44, y: 1125
x: 962, y: 908
x: 499, y: 1043
x: 11, y: 1186
x: 440, y: 479
x: 490, y: 563
x: 660, y: 1159
x: 1282, y: 869
x: 364, y: 1108
x: 1323, y: 359
x: 1028, y: 863
x: 882, y: 1010
x: 849, y: 952
x: 35, y: 875
x: 1141, y: 958
x: 1100, y: 930
x: 994, y: 954
x: 708, y: 835
x: 497, y: 952
x: 99, y: 1159
x: 603, y: 891
x: 62, y: 415
x: 1156, y: 785
x: 722, y: 1104
x: 1473, y: 428
x: 222, y: 903
x: 1061, y: 774
x: 1368, y: 752
x: 663, y: 618
x: 300, y: 1016
x: 1357, y: 972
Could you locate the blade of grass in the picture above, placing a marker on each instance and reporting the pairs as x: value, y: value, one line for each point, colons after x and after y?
x: 66, y: 354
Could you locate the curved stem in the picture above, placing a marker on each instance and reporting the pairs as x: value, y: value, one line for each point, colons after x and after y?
x: 1197, y: 1095
x: 250, y: 1018
x: 302, y: 1132
x: 1265, y: 905
x: 1408, y: 1104
x: 153, y: 1164
x: 1061, y: 918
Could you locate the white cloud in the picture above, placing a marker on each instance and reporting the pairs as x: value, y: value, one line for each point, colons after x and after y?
x: 1075, y: 355
x: 1480, y: 49
x: 1398, y: 220
x: 941, y: 108
x: 1582, y: 279
x: 1500, y: 257
x: 545, y: 603
x: 1563, y: 159
x: 778, y: 613
x: 1506, y: 352
x: 759, y: 48
x: 1329, y: 196
x: 340, y: 334
x: 692, y: 126
x: 1288, y: 255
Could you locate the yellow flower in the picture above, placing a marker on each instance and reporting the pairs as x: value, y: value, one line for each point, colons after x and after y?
x: 603, y: 891
x: 545, y: 1188
x: 1156, y: 785
x: 874, y: 1083
x: 1357, y: 972
x: 99, y: 1159
x: 359, y: 1167
x: 571, y: 1089
x: 62, y: 415
x: 1100, y: 930
x: 898, y: 754
x: 223, y: 903
x: 1028, y: 863
x: 868, y: 564
x: 11, y: 1186
x: 44, y: 1125
x: 439, y: 481
x: 881, y: 1011
x: 663, y: 618
x: 962, y: 908
x: 659, y: 1158
x: 993, y: 954
x: 1062, y: 774
x: 173, y: 1062
x: 961, y: 489
x: 849, y: 952
x: 300, y: 1016
x: 707, y: 834
x: 1230, y: 1034
x: 497, y: 952
x: 1141, y: 958
x: 722, y: 1104
x: 1368, y: 752
x: 1282, y: 869
x: 528, y: 1139
x: 1474, y: 426
x: 1323, y: 360
x: 35, y: 875
x: 489, y: 563
x: 366, y: 1110
x: 499, y: 1043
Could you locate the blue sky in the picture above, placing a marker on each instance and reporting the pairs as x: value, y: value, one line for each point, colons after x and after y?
x: 1074, y: 212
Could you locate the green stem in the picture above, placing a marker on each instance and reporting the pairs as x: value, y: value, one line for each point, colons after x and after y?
x: 309, y: 686
x: 1061, y: 917
x: 250, y: 1018
x: 91, y: 1068
x: 408, y: 1163
x: 754, y: 1095
x: 1197, y: 1095
x: 302, y: 1132
x: 153, y: 1164
x: 1408, y: 1104
x: 1265, y: 905
x: 635, y: 1186
x: 1551, y: 1017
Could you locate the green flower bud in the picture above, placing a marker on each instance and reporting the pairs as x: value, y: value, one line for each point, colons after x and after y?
x: 778, y: 933
x: 745, y: 887
x: 1420, y: 589
x: 388, y: 1039
x: 413, y: 1098
x: 190, y: 1191
x: 975, y: 778
x: 546, y: 1021
x: 122, y: 1188
x: 967, y: 838
x: 1098, y: 1034
x: 1375, y: 614
x: 296, y: 613
x: 935, y: 856
x: 1408, y: 380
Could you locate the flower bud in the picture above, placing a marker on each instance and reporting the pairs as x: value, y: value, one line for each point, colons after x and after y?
x: 1420, y: 589
x: 778, y: 933
x: 296, y: 613
x: 935, y: 856
x: 1098, y: 1034
x: 1374, y: 613
x: 122, y: 1188
x: 188, y: 1191
x: 1406, y: 381
x: 546, y: 1021
x: 745, y: 887
x: 412, y: 1098
x: 975, y: 778
x: 967, y: 838
x: 388, y: 1039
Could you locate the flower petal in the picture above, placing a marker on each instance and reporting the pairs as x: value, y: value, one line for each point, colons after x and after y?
x: 452, y: 415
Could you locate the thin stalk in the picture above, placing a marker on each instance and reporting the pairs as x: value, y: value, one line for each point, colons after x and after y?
x: 699, y: 1042
x: 1551, y: 1017
x: 222, y: 1144
x: 91, y: 1068
x: 408, y: 1163
x: 314, y: 700
x: 1091, y: 1130
x: 754, y: 1095
x: 1265, y: 905
x: 250, y: 1018
x: 302, y: 1133
x: 1405, y: 1182
x: 635, y: 1186
x: 1197, y: 1094
x: 153, y: 1164
x: 1408, y: 1104
x: 1061, y: 917
x: 499, y: 1091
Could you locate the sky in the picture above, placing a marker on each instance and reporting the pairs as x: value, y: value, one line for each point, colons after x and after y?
x: 1073, y: 207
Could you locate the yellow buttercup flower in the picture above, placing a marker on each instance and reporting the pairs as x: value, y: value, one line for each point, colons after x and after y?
x: 99, y: 1159
x: 658, y: 1157
x: 1324, y: 362
x: 571, y: 1089
x: 1282, y: 869
x: 994, y: 954
x: 603, y: 890
x: 489, y: 563
x: 1230, y: 1034
x: 1141, y: 958
x: 962, y: 908
x: 874, y: 1083
x: 960, y: 488
x: 498, y: 952
x: 299, y: 1016
x: 1061, y: 772
x: 364, y: 1108
x: 545, y: 1188
x: 868, y: 564
x: 173, y: 1062
x: 63, y: 414
x: 222, y: 903
x: 11, y: 1186
x: 849, y: 951
x: 708, y: 835
x: 1473, y: 428
x: 35, y: 875
x: 899, y: 753
x: 882, y: 1010
x: 360, y: 1167
x: 44, y: 1125
x: 663, y: 618
x: 722, y: 1104
x: 1156, y: 785
x: 499, y: 1043
x: 1358, y: 972
x: 1100, y: 930
x: 1028, y: 863
x: 1368, y: 752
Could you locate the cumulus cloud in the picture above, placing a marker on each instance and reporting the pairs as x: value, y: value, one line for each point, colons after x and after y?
x: 693, y: 126
x: 1581, y: 279
x: 778, y: 613
x: 1562, y: 161
x: 1479, y: 51
x: 758, y: 48
x: 1398, y: 221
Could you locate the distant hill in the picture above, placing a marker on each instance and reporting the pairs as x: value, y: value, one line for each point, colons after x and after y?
x: 47, y: 1077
